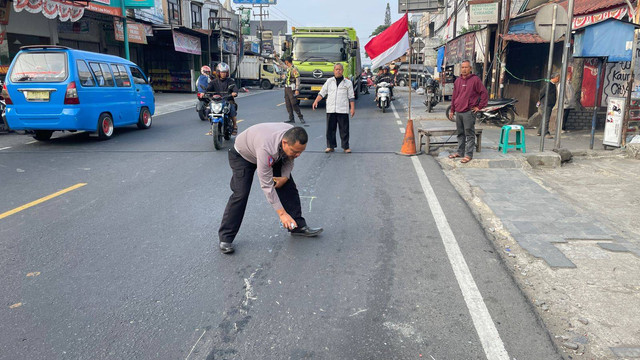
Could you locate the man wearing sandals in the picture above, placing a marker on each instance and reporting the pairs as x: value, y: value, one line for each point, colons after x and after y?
x: 469, y: 96
x: 223, y: 84
x: 340, y: 96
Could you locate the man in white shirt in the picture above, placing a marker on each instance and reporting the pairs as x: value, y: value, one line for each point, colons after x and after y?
x: 340, y: 103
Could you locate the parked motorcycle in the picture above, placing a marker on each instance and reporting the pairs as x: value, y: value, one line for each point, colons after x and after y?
x: 432, y: 93
x: 383, y: 95
x: 202, y: 106
x: 221, y: 123
x: 499, y: 112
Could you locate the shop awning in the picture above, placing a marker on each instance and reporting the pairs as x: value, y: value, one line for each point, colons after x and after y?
x: 610, y: 38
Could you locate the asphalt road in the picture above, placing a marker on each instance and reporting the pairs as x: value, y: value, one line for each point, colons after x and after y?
x: 127, y: 267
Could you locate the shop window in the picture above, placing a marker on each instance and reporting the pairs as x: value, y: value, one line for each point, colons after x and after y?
x: 196, y: 16
x: 84, y: 74
x: 174, y: 11
x: 138, y: 76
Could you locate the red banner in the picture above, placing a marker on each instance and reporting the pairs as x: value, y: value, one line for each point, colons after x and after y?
x: 586, y: 20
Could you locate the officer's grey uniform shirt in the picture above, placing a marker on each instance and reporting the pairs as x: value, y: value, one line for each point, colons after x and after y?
x: 260, y: 145
x: 338, y: 96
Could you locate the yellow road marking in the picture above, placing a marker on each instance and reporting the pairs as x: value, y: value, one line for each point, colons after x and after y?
x: 33, y: 274
x: 280, y: 104
x: 41, y: 200
x: 17, y: 305
x: 239, y: 121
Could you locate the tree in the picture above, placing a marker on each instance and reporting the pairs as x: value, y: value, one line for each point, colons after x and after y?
x: 387, y: 16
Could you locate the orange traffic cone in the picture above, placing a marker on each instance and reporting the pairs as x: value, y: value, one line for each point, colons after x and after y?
x: 409, y: 143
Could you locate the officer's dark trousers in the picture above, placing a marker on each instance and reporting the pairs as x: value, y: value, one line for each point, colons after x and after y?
x: 340, y: 121
x: 241, y: 181
x: 292, y: 103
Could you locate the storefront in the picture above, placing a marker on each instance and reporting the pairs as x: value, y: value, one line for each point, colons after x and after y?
x: 171, y: 58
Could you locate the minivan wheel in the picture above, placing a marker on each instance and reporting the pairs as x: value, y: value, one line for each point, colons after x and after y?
x: 144, y: 122
x: 43, y: 135
x: 105, y: 127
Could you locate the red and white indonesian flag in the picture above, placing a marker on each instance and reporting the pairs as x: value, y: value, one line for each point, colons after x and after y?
x: 389, y: 44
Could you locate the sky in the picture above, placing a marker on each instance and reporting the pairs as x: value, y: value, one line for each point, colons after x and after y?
x: 363, y: 15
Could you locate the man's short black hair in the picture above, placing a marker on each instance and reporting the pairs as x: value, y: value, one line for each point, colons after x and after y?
x: 296, y: 134
x: 288, y: 59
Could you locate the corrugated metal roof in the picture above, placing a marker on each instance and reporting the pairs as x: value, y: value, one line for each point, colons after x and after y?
x: 526, y: 38
x: 580, y: 7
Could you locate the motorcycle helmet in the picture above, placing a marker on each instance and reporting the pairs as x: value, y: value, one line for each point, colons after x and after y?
x: 222, y: 67
x: 366, y: 69
x: 205, y: 70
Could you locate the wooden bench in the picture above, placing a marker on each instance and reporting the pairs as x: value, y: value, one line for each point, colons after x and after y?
x: 451, y: 132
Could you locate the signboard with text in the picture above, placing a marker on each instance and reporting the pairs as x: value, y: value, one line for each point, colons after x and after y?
x: 419, y: 5
x: 137, y: 32
x: 483, y: 12
x: 139, y: 4
x: 186, y: 43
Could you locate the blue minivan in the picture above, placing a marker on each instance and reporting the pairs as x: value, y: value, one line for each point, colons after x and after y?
x: 51, y: 88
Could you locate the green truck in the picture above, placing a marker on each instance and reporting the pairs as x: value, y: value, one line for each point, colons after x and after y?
x: 315, y: 50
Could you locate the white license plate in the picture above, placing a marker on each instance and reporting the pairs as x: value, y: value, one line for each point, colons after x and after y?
x: 37, y: 95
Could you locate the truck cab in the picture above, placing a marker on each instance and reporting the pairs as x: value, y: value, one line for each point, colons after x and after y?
x: 316, y: 50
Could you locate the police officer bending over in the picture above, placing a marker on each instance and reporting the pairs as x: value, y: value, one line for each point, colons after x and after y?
x: 269, y: 149
x: 224, y: 84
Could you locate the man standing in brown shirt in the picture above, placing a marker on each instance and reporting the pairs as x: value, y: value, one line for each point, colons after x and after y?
x: 269, y: 149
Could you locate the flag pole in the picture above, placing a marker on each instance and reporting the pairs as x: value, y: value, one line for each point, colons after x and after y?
x: 406, y: 12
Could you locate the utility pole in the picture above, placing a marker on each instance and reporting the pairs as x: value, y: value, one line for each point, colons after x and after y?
x: 455, y: 18
x: 260, y: 29
x: 494, y: 68
x: 563, y: 77
x: 124, y: 29
x: 503, y: 49
x: 634, y: 48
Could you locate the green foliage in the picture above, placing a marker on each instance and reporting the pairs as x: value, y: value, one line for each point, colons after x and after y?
x: 378, y: 30
x: 465, y: 30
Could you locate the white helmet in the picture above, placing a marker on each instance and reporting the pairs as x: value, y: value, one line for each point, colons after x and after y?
x: 222, y: 67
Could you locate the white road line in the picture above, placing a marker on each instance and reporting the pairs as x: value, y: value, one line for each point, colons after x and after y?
x: 31, y: 142
x: 402, y: 130
x: 486, y: 329
x: 5, y: 148
x: 194, y: 345
x: 395, y: 113
x: 398, y: 122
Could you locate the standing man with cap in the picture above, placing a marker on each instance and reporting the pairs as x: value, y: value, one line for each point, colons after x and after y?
x: 291, y: 90
x: 550, y: 104
x: 269, y: 149
x: 340, y: 96
x: 469, y: 96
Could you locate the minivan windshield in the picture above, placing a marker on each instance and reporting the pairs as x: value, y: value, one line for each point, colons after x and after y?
x: 40, y: 67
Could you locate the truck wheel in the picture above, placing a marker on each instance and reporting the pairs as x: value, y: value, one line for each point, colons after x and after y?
x: 265, y: 84
x: 402, y: 83
x: 43, y: 135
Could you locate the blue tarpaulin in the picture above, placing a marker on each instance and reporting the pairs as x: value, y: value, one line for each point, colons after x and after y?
x: 440, y: 58
x: 611, y: 38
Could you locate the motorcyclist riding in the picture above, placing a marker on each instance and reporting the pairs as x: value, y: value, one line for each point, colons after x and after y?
x: 224, y: 84
x: 203, y: 80
x: 386, y: 77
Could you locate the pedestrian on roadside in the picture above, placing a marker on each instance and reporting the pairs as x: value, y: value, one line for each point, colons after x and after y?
x: 550, y: 104
x: 340, y: 96
x: 469, y: 96
x: 269, y: 148
x: 569, y: 104
x: 291, y: 90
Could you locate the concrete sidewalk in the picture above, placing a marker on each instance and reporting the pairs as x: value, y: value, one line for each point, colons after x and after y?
x: 568, y: 233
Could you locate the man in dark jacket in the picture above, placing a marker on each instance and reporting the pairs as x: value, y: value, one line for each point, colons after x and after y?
x: 226, y: 85
x: 469, y: 96
x: 546, y: 113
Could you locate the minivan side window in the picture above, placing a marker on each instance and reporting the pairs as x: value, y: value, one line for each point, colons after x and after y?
x: 100, y: 76
x: 84, y: 74
x: 106, y: 72
x: 138, y: 76
x: 120, y: 75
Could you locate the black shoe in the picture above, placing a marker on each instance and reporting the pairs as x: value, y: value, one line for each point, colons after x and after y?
x: 302, y: 121
x: 226, y: 248
x: 306, y: 231
x: 290, y: 121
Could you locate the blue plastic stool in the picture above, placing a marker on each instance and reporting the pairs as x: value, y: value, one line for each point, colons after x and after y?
x: 504, y: 138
